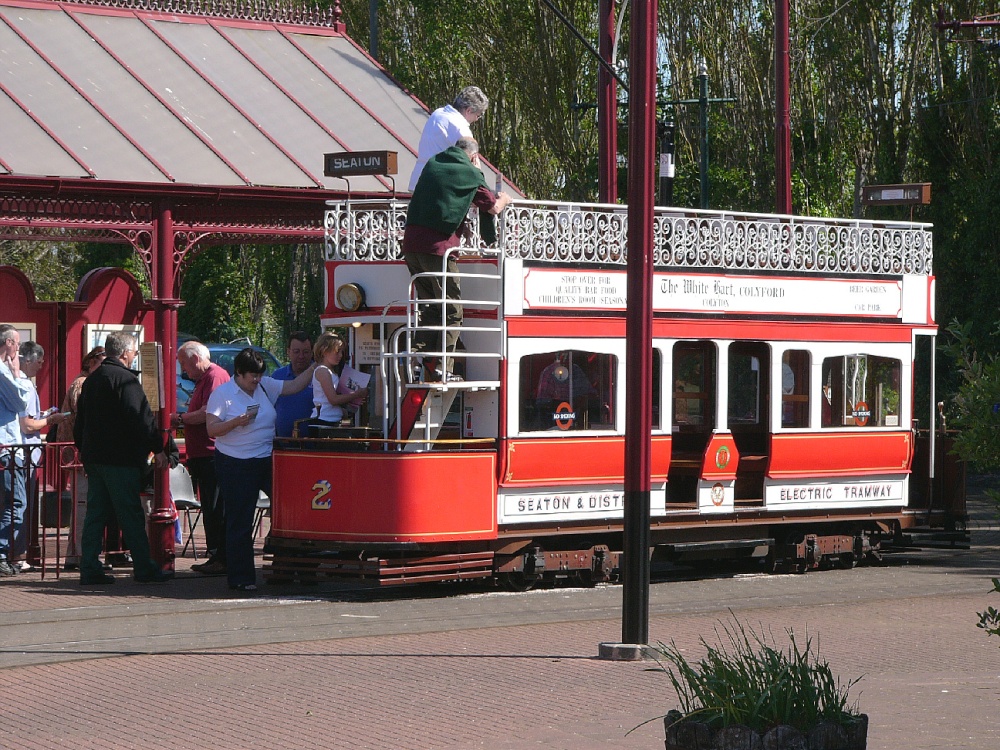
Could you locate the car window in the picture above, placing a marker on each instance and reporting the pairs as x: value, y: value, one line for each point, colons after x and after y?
x: 222, y: 355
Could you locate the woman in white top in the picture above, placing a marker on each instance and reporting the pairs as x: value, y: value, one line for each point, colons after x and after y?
x: 240, y: 416
x: 328, y: 404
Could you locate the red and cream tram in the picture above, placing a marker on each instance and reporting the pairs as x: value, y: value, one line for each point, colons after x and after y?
x: 788, y: 353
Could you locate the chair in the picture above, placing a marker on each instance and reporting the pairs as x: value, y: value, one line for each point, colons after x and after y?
x: 185, y: 501
x: 263, y: 506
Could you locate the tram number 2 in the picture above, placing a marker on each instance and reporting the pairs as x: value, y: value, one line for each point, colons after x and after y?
x: 322, y: 500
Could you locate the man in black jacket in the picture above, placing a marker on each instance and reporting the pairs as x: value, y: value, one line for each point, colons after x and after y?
x: 116, y: 432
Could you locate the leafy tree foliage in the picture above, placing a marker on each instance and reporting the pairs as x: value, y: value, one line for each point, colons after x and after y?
x: 50, y: 266
x: 877, y: 97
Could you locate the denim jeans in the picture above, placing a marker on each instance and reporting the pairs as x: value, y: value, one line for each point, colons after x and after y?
x: 13, y: 501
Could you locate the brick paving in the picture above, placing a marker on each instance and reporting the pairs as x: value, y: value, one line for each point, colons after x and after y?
x: 329, y: 670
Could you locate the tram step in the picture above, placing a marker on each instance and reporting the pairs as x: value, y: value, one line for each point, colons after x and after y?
x: 725, y: 548
x: 382, y: 571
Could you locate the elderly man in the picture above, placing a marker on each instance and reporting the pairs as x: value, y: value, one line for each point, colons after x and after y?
x: 13, y: 401
x: 446, y: 125
x: 450, y: 185
x: 195, y: 361
x: 299, y: 405
x: 116, y: 432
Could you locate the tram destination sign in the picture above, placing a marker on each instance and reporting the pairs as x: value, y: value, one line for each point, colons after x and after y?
x: 350, y: 163
x: 563, y: 289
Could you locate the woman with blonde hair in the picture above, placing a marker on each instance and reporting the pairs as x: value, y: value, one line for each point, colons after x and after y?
x: 329, y: 405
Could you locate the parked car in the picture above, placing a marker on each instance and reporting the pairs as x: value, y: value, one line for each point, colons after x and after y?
x: 222, y: 355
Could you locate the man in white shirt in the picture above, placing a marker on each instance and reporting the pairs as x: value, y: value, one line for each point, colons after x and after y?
x: 32, y: 421
x: 447, y: 124
x: 13, y: 401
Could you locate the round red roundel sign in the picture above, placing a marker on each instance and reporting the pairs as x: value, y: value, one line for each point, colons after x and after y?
x: 861, y: 413
x: 564, y: 416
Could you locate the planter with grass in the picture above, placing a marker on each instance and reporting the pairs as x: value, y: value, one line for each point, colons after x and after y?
x: 749, y: 694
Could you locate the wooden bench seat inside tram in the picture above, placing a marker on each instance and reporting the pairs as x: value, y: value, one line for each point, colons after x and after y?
x: 687, y: 457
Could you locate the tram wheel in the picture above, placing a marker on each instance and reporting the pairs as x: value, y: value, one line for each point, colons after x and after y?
x: 847, y: 561
x: 518, y: 581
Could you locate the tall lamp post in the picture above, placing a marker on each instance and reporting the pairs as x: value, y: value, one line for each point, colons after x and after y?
x: 702, y: 101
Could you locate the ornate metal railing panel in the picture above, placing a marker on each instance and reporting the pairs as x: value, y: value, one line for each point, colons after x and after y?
x: 591, y: 233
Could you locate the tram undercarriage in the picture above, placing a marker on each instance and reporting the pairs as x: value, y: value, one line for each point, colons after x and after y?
x: 521, y: 562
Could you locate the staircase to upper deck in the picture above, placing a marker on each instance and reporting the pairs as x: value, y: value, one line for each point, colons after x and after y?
x: 421, y: 403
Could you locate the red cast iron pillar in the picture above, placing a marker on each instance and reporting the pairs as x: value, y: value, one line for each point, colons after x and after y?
x: 639, y: 321
x: 607, y: 108
x: 161, y: 520
x: 783, y: 106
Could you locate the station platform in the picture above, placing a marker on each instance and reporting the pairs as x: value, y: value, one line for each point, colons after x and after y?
x: 187, y: 664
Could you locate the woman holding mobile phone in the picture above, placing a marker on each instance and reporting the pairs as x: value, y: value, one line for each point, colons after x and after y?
x: 240, y: 416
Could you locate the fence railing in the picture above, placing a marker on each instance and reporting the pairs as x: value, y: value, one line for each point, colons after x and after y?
x: 598, y: 233
x: 39, y: 496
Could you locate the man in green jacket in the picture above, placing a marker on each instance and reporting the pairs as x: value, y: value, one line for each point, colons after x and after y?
x: 116, y: 432
x: 437, y: 218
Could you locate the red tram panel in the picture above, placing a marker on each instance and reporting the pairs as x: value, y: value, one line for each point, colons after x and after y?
x: 413, y: 497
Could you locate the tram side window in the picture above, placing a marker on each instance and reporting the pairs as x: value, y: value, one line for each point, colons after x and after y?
x: 748, y: 379
x: 694, y: 385
x: 795, y: 389
x: 567, y: 390
x: 861, y: 390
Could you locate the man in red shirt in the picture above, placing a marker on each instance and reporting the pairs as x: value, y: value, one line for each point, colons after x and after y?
x: 195, y: 361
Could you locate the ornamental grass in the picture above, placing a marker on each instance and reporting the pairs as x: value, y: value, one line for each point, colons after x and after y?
x: 748, y: 679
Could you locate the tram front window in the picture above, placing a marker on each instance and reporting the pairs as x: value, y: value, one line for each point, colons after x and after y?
x: 567, y: 390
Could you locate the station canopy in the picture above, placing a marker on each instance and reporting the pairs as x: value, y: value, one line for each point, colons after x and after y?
x: 223, y: 109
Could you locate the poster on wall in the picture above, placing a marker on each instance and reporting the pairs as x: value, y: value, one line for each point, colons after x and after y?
x: 95, y: 334
x: 152, y: 366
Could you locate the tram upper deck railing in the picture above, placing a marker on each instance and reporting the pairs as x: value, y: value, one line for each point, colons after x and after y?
x: 683, y: 238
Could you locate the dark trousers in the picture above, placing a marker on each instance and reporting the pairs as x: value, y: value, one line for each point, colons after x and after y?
x: 428, y: 289
x: 113, y: 492
x: 202, y: 470
x: 241, y: 480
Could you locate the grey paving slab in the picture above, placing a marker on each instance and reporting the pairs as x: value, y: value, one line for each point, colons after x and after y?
x: 185, y: 665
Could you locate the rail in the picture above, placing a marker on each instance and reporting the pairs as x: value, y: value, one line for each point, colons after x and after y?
x: 39, y: 483
x: 683, y: 238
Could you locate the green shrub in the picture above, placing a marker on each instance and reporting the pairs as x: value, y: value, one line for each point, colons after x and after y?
x: 749, y: 680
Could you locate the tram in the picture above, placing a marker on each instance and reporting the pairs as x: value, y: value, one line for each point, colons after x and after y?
x: 793, y: 401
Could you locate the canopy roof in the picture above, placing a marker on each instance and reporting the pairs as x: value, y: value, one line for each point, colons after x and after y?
x: 151, y: 92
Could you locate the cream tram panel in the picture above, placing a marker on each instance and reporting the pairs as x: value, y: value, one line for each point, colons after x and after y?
x: 830, y: 494
x: 561, y: 504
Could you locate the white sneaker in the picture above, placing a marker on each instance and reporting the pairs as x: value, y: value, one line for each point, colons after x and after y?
x: 24, y: 566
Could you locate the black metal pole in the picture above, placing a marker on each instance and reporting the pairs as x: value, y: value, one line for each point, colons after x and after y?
x: 639, y: 323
